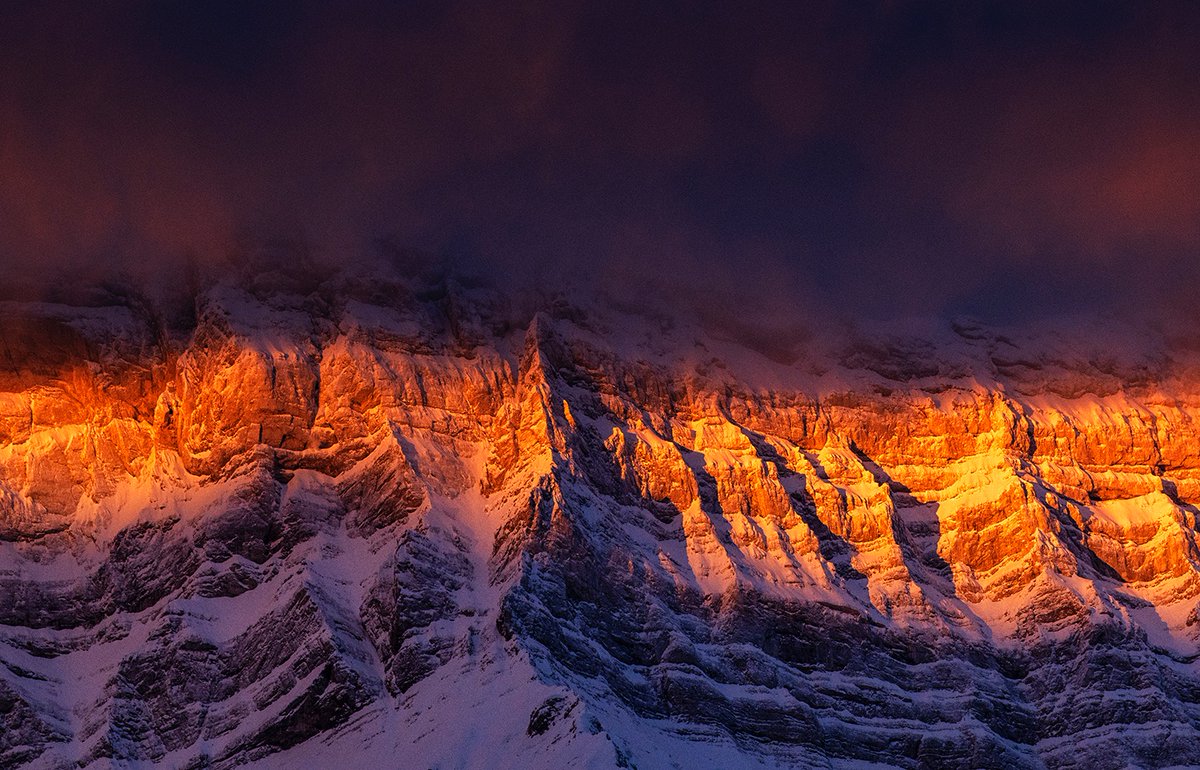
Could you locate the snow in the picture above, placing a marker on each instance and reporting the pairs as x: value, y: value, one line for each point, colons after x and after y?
x: 1144, y: 510
x: 475, y: 710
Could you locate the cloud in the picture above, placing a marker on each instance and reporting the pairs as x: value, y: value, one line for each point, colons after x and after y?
x: 918, y: 158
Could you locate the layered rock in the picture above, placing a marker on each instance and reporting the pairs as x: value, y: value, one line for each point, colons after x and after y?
x: 320, y: 525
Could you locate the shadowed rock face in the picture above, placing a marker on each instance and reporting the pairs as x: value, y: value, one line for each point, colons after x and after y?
x: 360, y: 525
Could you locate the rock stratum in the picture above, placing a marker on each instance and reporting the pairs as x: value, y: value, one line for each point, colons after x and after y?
x: 388, y: 523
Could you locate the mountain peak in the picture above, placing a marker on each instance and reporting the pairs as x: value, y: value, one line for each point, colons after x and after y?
x: 356, y: 514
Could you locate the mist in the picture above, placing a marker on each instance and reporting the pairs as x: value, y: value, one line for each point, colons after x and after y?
x: 1008, y: 161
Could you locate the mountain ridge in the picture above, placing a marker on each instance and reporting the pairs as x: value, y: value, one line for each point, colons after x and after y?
x: 333, y: 524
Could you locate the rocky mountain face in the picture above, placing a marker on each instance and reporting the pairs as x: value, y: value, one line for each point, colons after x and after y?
x: 378, y: 523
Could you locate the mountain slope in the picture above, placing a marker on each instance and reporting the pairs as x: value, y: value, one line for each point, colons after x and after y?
x: 400, y: 523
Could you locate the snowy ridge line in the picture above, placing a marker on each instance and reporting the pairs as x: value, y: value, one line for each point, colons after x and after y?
x: 399, y: 527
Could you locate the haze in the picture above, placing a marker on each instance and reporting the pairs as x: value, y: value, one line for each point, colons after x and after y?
x: 1005, y: 160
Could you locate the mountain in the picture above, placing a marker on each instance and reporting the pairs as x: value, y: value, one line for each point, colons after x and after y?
x: 413, y: 523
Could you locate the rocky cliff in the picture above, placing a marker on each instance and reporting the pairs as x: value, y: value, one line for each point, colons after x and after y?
x: 377, y: 522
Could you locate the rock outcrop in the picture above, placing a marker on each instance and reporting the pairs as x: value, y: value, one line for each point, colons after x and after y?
x: 367, y: 521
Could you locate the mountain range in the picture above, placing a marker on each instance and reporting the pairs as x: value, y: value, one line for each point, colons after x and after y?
x: 365, y: 520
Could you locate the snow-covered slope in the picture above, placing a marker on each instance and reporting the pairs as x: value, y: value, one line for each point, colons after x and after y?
x: 398, y: 523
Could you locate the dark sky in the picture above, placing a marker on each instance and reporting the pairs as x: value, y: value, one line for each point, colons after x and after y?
x: 1007, y: 159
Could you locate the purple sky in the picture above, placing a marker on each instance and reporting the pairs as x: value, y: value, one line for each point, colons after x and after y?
x: 1009, y: 160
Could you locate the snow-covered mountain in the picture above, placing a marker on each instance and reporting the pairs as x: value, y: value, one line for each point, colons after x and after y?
x: 377, y: 523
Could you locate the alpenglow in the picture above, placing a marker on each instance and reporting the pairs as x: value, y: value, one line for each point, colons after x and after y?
x: 402, y: 524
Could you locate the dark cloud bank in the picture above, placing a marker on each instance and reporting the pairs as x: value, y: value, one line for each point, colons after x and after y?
x: 1007, y: 160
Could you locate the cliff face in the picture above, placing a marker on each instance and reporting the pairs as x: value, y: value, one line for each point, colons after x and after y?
x: 378, y: 524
